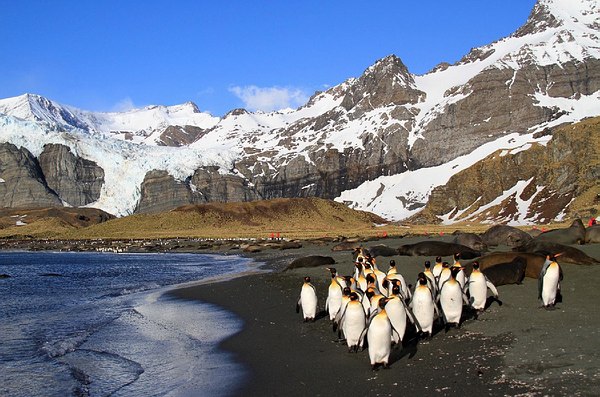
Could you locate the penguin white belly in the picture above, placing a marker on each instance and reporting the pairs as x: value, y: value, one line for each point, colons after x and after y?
x: 397, y: 315
x: 379, y: 339
x: 354, y: 324
x: 477, y: 291
x: 452, y: 301
x: 334, y: 301
x: 460, y: 277
x: 550, y: 288
x: 308, y: 300
x: 422, y: 308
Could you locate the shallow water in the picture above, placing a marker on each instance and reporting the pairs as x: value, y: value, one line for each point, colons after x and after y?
x: 98, y: 324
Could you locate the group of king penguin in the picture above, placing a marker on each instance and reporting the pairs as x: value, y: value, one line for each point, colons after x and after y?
x: 372, y: 309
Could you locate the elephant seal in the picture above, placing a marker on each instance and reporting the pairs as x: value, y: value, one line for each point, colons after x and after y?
x: 381, y: 250
x: 574, y: 234
x: 470, y: 240
x: 505, y: 235
x: 567, y: 254
x: 437, y: 248
x: 592, y: 234
x: 507, y: 272
x: 533, y: 268
x: 310, y: 261
x: 346, y: 246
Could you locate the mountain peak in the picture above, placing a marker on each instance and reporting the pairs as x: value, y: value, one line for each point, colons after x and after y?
x: 562, y: 13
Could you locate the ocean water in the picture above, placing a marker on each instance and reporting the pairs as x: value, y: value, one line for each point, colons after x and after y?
x: 99, y: 324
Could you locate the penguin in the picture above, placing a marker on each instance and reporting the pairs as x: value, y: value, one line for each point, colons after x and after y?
x: 444, y: 275
x: 460, y: 276
x: 374, y: 302
x: 430, y: 277
x: 334, y: 296
x: 423, y: 307
x: 477, y: 286
x: 437, y: 268
x: 345, y: 300
x: 359, y: 276
x: 405, y: 290
x: 308, y: 301
x: 379, y: 339
x: 549, y: 282
x: 353, y: 323
x: 451, y: 299
x: 392, y: 269
x: 398, y: 314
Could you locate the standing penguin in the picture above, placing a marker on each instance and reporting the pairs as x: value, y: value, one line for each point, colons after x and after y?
x: 437, y: 268
x: 423, y: 307
x: 478, y: 285
x: 460, y: 276
x: 451, y: 299
x: 379, y: 332
x: 549, y: 282
x: 444, y: 275
x: 308, y: 301
x: 392, y: 269
x: 398, y: 314
x: 334, y: 296
x: 430, y: 277
x: 353, y: 322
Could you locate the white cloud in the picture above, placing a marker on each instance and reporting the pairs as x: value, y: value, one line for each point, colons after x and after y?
x: 269, y: 99
x: 124, y: 105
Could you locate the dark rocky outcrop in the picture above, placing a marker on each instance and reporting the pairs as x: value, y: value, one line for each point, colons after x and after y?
x: 75, y: 180
x: 22, y: 180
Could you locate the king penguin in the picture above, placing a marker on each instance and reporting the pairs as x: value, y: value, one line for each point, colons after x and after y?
x: 460, y: 276
x: 437, y: 268
x: 308, y: 300
x: 334, y: 296
x: 398, y: 314
x: 379, y: 340
x: 353, y: 322
x: 423, y: 307
x: 478, y: 285
x: 549, y: 282
x: 451, y: 299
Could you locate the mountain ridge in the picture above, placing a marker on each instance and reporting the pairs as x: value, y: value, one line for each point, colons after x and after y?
x: 385, y: 123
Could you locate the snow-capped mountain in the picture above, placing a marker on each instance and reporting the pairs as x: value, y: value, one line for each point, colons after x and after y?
x: 379, y: 142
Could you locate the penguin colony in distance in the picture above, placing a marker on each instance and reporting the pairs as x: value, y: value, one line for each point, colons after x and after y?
x: 374, y: 309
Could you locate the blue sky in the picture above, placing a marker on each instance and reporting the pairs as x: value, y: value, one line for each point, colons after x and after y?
x: 113, y: 55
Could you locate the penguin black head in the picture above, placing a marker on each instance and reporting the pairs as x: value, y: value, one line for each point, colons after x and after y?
x: 346, y: 291
x: 475, y: 265
x: 360, y: 259
x: 457, y: 256
x: 367, y: 265
x: 354, y: 296
x: 445, y: 264
x: 332, y: 270
x: 382, y: 302
x: 396, y: 289
x: 438, y: 259
x: 370, y: 293
x: 427, y: 265
x: 454, y: 270
x: 422, y: 281
x: 370, y: 278
x: 392, y: 263
x: 307, y: 279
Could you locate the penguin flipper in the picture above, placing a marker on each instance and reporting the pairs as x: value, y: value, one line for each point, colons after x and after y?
x: 298, y: 305
x: 492, y: 287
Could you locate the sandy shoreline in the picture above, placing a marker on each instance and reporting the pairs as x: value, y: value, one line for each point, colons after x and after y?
x: 512, y: 349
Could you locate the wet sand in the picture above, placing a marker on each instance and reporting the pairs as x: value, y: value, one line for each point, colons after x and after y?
x: 513, y: 349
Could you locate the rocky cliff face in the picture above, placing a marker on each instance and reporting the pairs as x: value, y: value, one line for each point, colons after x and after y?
x: 539, y: 184
x: 22, y: 180
x: 75, y: 180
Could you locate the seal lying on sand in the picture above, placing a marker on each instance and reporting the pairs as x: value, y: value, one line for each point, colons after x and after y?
x: 574, y: 234
x: 470, y: 240
x: 533, y: 268
x: 437, y: 248
x: 592, y: 234
x: 568, y: 254
x: 505, y: 235
x: 381, y: 250
x: 346, y: 246
x: 311, y: 261
x: 507, y: 273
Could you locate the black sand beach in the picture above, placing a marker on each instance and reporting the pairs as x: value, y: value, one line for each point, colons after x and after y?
x: 513, y: 349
